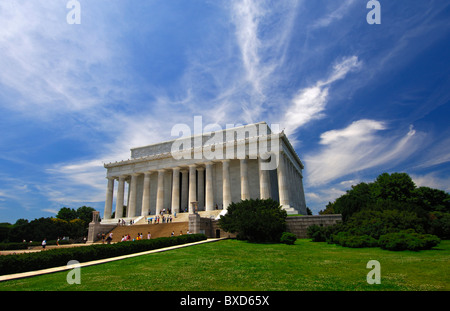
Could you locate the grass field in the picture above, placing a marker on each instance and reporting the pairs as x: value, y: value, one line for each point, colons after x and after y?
x: 236, y: 265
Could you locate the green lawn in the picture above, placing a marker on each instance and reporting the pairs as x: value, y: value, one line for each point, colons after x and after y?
x: 237, y: 265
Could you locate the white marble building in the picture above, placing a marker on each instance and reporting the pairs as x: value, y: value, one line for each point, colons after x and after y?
x: 214, y: 169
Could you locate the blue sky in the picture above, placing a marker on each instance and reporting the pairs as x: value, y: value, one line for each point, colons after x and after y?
x: 355, y: 99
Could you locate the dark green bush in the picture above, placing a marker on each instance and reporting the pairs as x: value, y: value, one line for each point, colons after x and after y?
x: 13, y: 246
x: 316, y: 233
x: 25, y: 245
x: 255, y: 220
x: 408, y: 240
x: 440, y: 225
x: 355, y: 241
x: 288, y: 238
x: 59, y: 257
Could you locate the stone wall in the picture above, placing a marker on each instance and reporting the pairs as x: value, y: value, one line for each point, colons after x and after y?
x: 98, y: 228
x: 207, y: 226
x: 295, y: 224
x: 299, y: 224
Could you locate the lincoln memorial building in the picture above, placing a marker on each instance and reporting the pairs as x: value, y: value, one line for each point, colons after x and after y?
x: 205, y: 172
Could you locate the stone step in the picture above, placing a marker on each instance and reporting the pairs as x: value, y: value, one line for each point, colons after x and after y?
x: 156, y: 230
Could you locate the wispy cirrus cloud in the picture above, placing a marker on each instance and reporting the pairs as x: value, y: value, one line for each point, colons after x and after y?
x: 357, y: 147
x: 262, y: 38
x: 334, y: 15
x: 310, y: 102
x: 432, y: 180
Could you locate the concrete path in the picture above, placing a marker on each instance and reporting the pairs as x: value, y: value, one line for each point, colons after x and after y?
x: 96, y: 262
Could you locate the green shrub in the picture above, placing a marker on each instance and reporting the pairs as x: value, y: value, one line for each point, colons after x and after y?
x: 13, y: 246
x: 355, y: 241
x: 255, y: 220
x: 408, y: 240
x: 59, y: 257
x: 440, y: 225
x: 288, y: 238
x: 316, y: 233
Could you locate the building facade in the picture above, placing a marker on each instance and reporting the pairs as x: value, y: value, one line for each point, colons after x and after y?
x: 212, y: 169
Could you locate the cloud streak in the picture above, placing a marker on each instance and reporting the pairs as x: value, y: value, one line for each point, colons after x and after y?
x: 309, y: 103
x: 358, y: 147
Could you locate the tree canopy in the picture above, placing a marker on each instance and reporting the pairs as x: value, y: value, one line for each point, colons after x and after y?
x: 389, y: 190
x: 388, y: 209
x: 68, y: 222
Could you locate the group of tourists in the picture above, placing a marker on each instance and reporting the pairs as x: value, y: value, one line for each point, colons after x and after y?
x: 158, y: 219
x: 140, y: 236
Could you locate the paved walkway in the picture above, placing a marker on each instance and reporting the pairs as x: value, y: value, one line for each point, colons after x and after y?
x: 37, y: 249
x: 96, y: 262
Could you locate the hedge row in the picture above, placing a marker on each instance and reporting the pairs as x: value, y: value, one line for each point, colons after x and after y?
x: 26, y: 245
x: 395, y: 241
x: 412, y: 241
x: 60, y: 257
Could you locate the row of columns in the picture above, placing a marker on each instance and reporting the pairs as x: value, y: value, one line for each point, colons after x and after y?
x: 189, y: 188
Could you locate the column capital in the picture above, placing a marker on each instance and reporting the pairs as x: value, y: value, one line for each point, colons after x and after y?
x: 200, y: 168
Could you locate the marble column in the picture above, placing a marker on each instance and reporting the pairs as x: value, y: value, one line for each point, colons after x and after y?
x: 109, y: 198
x: 283, y: 190
x: 226, y: 183
x: 264, y: 181
x: 160, y: 193
x: 184, y: 189
x: 201, y: 188
x: 175, y: 190
x: 132, y: 202
x: 245, y: 191
x: 146, y: 194
x: 119, y: 199
x: 209, y: 195
x: 192, y: 186
x: 128, y: 195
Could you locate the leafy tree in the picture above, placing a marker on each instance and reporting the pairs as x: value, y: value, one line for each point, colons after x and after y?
x: 431, y: 199
x: 67, y: 213
x: 85, y: 213
x: 21, y: 221
x: 390, y: 204
x: 394, y: 187
x: 354, y: 200
x: 68, y: 222
x: 255, y: 220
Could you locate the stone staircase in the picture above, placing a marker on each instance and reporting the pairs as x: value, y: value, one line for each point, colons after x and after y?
x: 180, y: 223
x: 181, y: 217
x: 156, y: 230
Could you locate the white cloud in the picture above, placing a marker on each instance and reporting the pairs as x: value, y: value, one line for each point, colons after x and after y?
x: 357, y: 147
x: 310, y: 102
x: 262, y: 38
x: 432, y: 180
x: 438, y: 153
x: 333, y: 16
